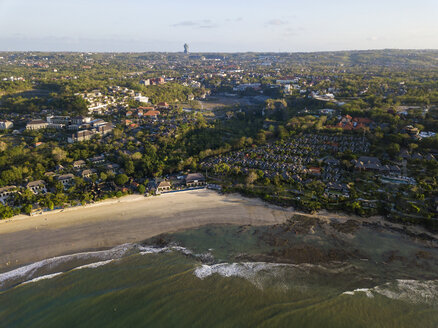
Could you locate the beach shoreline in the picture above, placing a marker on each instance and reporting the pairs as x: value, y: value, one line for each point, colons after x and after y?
x: 133, y: 219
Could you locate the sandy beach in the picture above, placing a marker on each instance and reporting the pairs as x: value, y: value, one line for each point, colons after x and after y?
x: 130, y: 219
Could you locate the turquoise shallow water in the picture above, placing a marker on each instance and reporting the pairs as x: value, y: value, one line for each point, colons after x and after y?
x: 215, y: 277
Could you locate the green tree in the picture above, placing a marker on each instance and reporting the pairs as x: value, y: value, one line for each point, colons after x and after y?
x: 141, y: 189
x: 121, y: 179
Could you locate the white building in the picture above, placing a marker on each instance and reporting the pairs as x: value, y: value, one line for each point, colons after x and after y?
x: 36, y: 125
x: 6, y: 192
x: 6, y: 125
x: 138, y: 97
x: 37, y: 187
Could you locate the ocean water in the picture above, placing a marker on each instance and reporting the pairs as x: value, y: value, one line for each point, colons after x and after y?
x: 228, y: 276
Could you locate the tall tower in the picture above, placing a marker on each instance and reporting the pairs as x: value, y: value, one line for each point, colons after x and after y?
x: 186, y: 48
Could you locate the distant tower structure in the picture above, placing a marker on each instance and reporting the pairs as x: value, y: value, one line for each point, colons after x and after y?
x: 186, y: 48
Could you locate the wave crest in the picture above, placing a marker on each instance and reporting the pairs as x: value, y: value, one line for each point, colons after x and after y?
x: 413, y: 291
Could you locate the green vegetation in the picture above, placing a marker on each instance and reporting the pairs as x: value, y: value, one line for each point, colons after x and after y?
x: 264, y: 140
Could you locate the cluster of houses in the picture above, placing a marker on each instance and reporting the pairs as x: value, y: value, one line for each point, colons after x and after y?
x: 406, y: 155
x: 85, y: 127
x: 111, y: 100
x: 65, y: 176
x: 82, y: 169
x: 348, y: 123
x: 157, y: 123
x: 367, y: 163
x: 297, y: 158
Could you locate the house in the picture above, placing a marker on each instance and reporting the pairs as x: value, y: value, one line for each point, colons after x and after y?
x: 97, y: 160
x: 6, y: 192
x: 80, y: 136
x: 86, y: 174
x: 314, y: 170
x: 327, y: 111
x: 79, y: 120
x: 164, y: 105
x: 49, y: 174
x: 78, y: 164
x: 58, y: 120
x: 36, y: 125
x: 66, y: 179
x: 367, y: 163
x: 112, y: 167
x: 37, y: 187
x: 163, y: 186
x: 412, y: 131
x: 98, y: 122
x: 6, y: 125
x: 195, y: 179
x: 104, y: 129
x: 152, y: 114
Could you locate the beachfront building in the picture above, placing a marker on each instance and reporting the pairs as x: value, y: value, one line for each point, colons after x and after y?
x: 195, y: 180
x: 66, y: 179
x: 37, y: 187
x: 6, y: 192
x: 163, y: 186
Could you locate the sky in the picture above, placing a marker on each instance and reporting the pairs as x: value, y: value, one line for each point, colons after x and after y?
x: 217, y: 26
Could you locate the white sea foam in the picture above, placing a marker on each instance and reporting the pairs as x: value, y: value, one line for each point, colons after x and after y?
x: 94, y: 265
x: 259, y: 274
x: 144, y: 250
x: 26, y: 272
x: 413, y: 291
x: 250, y: 269
x: 246, y: 270
x: 367, y: 291
x: 48, y: 276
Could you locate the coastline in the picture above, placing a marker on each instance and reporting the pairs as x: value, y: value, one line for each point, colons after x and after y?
x: 134, y: 218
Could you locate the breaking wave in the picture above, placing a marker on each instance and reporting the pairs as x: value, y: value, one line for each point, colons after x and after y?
x: 48, y: 276
x: 94, y: 265
x: 144, y: 250
x: 258, y: 273
x: 413, y: 291
x: 42, y: 269
x: 26, y: 273
x: 243, y: 270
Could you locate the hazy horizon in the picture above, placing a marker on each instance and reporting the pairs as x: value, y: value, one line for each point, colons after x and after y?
x: 228, y: 27
x: 216, y: 52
